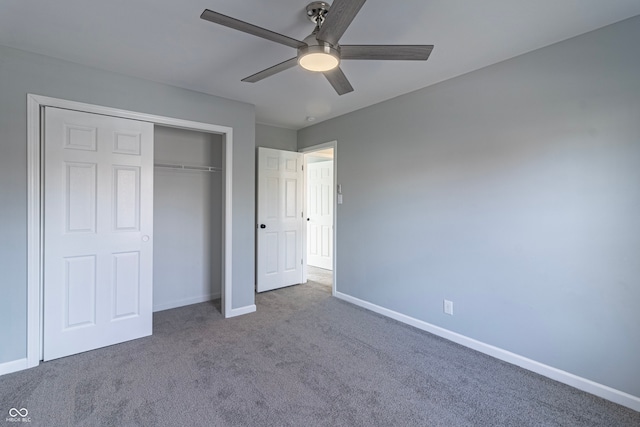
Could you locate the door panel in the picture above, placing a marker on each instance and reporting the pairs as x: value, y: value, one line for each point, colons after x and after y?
x: 98, y: 222
x: 126, y: 285
x: 80, y: 194
x: 291, y: 251
x: 80, y: 291
x: 126, y: 206
x: 280, y: 209
x: 320, y: 214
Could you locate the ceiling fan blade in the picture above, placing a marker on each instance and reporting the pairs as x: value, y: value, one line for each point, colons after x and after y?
x: 386, y: 52
x: 245, y: 27
x: 340, y: 15
x: 289, y: 63
x: 339, y: 81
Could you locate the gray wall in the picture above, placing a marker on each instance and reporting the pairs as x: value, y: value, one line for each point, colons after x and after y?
x: 276, y: 137
x: 513, y: 191
x: 187, y: 219
x: 22, y: 73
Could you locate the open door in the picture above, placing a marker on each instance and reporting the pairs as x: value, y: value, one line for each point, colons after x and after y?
x: 320, y: 212
x: 98, y: 223
x: 280, y: 225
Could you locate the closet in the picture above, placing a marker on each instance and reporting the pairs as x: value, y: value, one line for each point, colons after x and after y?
x: 188, y: 208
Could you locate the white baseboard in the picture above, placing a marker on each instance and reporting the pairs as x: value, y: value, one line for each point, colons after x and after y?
x: 600, y: 390
x: 240, y: 311
x: 185, y: 301
x: 13, y: 366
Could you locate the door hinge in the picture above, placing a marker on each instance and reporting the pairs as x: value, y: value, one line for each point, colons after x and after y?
x: 302, y: 167
x: 301, y: 262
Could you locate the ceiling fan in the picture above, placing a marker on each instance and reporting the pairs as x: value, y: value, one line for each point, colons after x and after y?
x: 320, y: 51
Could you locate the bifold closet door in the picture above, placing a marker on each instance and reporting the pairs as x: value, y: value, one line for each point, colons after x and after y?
x: 98, y: 227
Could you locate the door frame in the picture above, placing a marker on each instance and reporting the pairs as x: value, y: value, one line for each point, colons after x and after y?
x: 307, y: 150
x: 35, y: 241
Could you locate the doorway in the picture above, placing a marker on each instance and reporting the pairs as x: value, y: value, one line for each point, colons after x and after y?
x: 187, y: 213
x: 320, y: 207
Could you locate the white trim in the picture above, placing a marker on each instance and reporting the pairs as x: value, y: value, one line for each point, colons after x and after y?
x: 227, y: 220
x: 33, y: 234
x: 323, y: 146
x: 34, y: 244
x: 185, y: 301
x: 606, y: 392
x: 13, y: 366
x: 241, y: 310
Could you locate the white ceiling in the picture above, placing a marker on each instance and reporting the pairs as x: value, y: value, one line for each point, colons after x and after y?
x: 166, y: 41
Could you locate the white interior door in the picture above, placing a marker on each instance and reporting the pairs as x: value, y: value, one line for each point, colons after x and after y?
x: 280, y: 219
x: 98, y: 223
x: 320, y: 214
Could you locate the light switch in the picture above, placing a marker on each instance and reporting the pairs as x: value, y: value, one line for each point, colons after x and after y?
x: 339, y: 199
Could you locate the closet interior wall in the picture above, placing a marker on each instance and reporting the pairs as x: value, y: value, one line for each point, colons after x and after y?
x: 188, y: 207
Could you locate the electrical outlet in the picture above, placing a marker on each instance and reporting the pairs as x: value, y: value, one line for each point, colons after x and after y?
x: 448, y: 307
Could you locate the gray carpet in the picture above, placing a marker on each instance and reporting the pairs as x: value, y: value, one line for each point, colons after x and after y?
x: 304, y: 359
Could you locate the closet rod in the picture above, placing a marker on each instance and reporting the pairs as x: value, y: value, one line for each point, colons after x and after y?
x: 188, y: 167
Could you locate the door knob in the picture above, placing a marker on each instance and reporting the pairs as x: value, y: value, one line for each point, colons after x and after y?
x: 145, y: 238
x: 263, y: 226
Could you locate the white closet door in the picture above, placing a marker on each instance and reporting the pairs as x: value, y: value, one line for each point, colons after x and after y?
x: 98, y: 223
x: 280, y: 218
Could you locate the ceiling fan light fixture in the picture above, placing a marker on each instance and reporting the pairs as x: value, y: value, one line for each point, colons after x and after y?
x: 319, y: 58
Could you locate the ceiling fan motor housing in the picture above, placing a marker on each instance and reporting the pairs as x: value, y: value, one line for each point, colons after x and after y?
x: 317, y: 10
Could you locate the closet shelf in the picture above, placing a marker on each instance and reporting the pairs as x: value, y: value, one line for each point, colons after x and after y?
x: 196, y: 168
